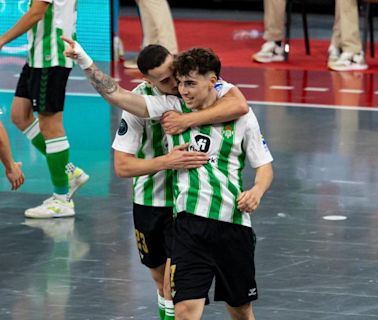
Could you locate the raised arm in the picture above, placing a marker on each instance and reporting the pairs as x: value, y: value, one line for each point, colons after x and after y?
x: 12, y: 169
x: 105, y: 85
x: 127, y: 165
x: 230, y: 107
x: 26, y: 22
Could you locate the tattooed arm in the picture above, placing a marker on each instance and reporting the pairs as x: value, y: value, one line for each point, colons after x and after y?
x: 105, y: 85
x: 109, y: 89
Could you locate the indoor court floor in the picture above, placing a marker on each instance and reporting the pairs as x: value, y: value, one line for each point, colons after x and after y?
x: 317, y: 242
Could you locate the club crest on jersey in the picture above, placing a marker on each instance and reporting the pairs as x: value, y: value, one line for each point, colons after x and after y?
x: 202, y: 143
x: 122, y: 128
x: 227, y: 132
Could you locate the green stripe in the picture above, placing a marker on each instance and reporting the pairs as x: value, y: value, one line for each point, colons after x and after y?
x: 176, y: 190
x: 46, y: 51
x: 168, y: 183
x: 32, y: 49
x: 60, y: 48
x: 237, y: 215
x: 148, y: 187
x: 148, y: 91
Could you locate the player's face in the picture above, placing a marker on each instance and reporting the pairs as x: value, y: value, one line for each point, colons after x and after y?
x: 197, y: 90
x: 162, y: 77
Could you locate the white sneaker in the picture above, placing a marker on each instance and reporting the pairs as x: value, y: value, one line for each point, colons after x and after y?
x: 333, y: 54
x: 270, y: 52
x: 53, y: 207
x: 76, y: 178
x: 349, y: 61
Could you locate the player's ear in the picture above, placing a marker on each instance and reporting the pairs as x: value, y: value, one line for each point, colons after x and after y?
x: 212, y: 78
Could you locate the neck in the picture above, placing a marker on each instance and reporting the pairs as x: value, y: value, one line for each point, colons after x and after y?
x: 212, y: 97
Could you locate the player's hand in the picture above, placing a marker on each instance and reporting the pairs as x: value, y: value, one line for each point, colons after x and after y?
x: 173, y: 122
x: 75, y: 51
x: 248, y: 201
x: 181, y: 158
x: 15, y: 175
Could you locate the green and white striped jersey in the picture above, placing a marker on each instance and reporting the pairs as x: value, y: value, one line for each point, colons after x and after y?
x: 211, y: 190
x: 45, y: 46
x: 146, y: 139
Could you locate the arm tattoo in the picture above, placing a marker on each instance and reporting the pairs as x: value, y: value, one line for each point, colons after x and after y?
x: 104, y: 84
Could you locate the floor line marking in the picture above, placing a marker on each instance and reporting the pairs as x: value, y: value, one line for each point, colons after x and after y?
x: 281, y: 87
x: 355, y: 91
x: 316, y: 89
x: 77, y: 78
x: 247, y: 86
x: 251, y: 102
x: 136, y: 81
x: 310, y: 105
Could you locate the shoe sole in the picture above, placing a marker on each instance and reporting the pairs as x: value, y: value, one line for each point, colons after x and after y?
x: 82, y: 180
x: 361, y: 68
x: 268, y: 60
x: 31, y: 216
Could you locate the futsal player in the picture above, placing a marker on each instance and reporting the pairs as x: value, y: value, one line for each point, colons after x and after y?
x: 41, y: 89
x: 140, y: 151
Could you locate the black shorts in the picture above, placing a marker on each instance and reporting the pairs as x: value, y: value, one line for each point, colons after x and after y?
x: 44, y: 87
x: 153, y: 233
x: 205, y: 248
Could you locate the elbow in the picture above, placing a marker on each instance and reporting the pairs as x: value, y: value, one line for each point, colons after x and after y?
x: 36, y: 16
x: 122, y: 172
x: 243, y: 108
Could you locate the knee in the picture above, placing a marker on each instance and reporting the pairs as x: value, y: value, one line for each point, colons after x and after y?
x: 182, y: 312
x: 19, y: 120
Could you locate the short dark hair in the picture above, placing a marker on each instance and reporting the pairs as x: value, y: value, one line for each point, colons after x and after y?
x: 202, y: 60
x: 151, y: 57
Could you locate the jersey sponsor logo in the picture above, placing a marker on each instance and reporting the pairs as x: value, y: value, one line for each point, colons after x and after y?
x: 227, y: 132
x: 122, y: 128
x: 202, y: 143
x: 252, y: 292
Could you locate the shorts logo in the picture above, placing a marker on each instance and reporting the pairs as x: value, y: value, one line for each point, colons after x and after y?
x: 122, y: 128
x: 202, y: 143
x: 252, y: 292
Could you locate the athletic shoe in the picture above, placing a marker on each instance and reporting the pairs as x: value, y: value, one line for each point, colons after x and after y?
x: 76, y: 178
x: 333, y: 54
x: 349, y: 61
x: 53, y: 207
x: 270, y: 52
